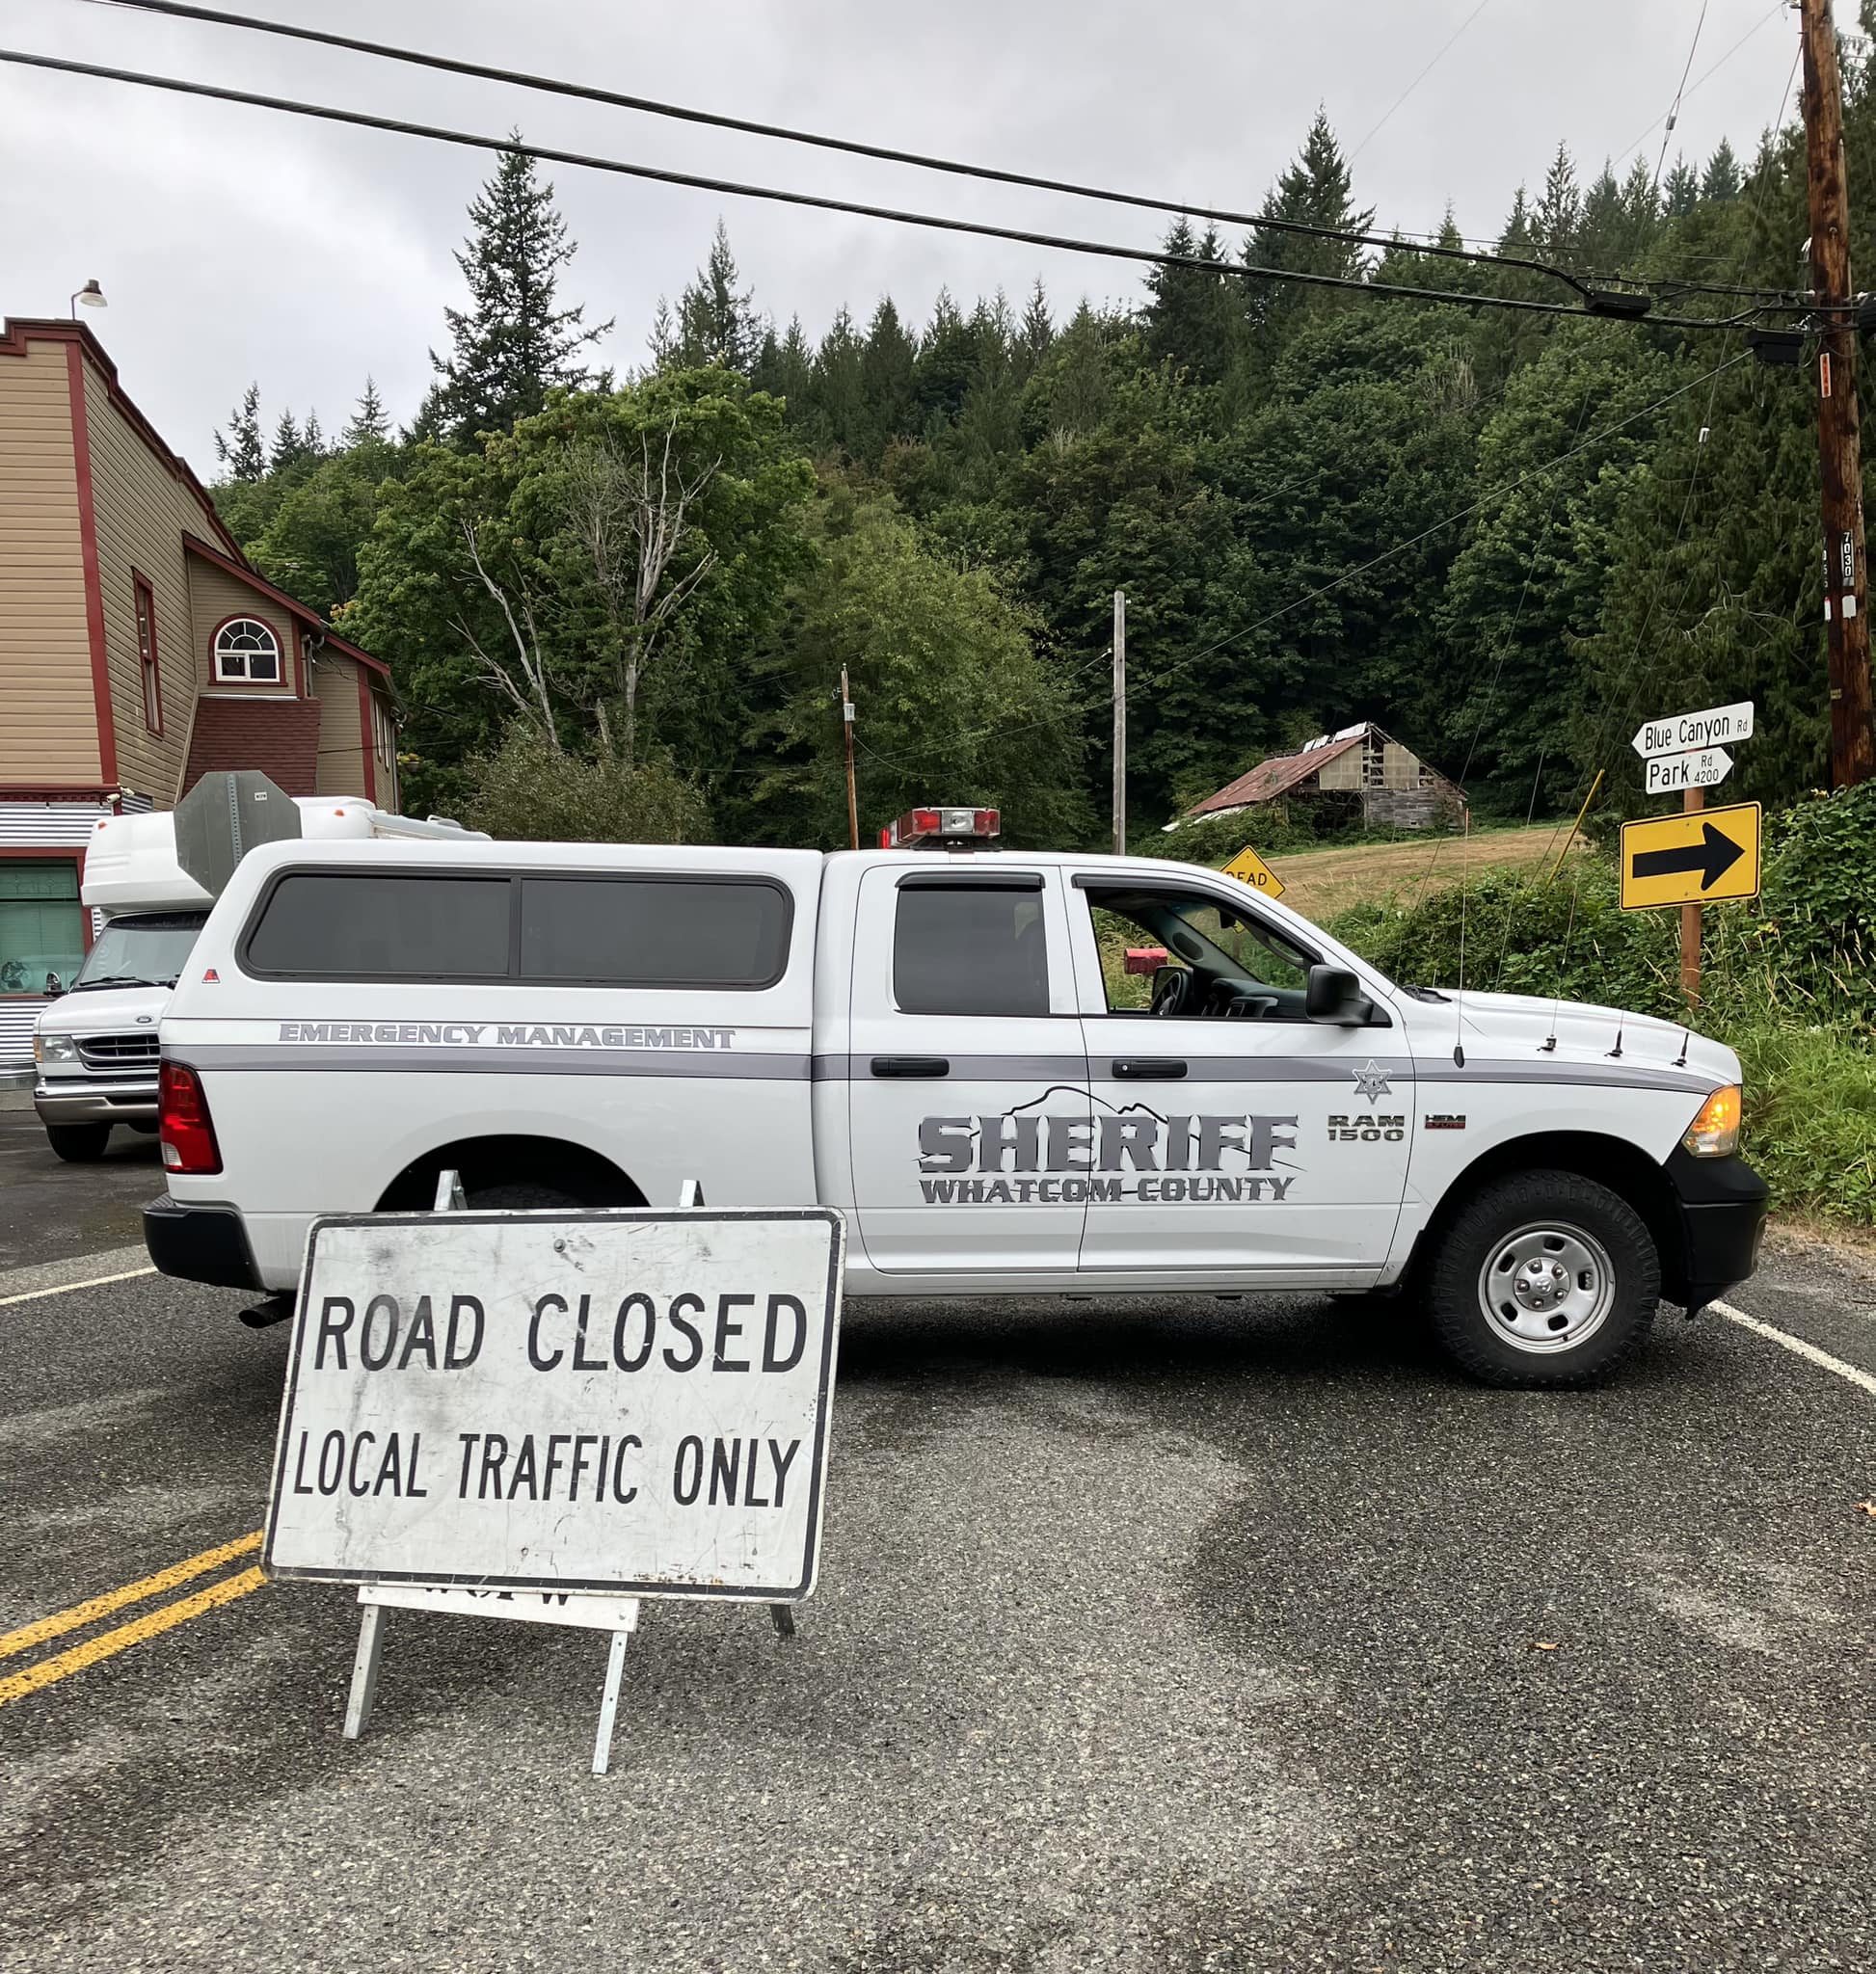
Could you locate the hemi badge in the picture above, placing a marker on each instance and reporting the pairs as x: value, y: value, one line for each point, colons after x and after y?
x: 1446, y: 1120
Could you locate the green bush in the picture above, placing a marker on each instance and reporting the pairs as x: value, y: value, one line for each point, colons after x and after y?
x: 1216, y: 839
x: 530, y: 791
x: 1810, y: 1117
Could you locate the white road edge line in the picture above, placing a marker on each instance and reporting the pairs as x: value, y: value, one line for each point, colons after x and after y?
x: 128, y: 1275
x: 1809, y: 1351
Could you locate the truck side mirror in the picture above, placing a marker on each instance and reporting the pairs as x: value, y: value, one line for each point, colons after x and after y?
x: 1333, y: 994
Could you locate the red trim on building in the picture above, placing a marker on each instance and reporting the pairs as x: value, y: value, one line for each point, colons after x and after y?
x: 143, y: 599
x: 366, y: 738
x: 16, y: 336
x: 215, y: 680
x: 65, y: 791
x: 81, y: 456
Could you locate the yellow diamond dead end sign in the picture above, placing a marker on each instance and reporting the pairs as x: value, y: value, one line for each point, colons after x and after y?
x: 1695, y: 859
x: 1251, y: 868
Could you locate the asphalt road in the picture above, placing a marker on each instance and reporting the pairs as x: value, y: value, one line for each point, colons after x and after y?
x: 1151, y: 1637
x: 49, y: 1209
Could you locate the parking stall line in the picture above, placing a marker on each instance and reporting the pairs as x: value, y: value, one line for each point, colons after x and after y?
x: 107, y: 1644
x: 1823, y: 1359
x: 66, y: 1288
x: 101, y: 1605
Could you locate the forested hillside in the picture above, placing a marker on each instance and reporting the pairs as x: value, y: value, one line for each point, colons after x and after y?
x: 1506, y: 537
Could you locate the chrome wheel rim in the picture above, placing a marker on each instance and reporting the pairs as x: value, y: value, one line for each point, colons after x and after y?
x: 1547, y: 1287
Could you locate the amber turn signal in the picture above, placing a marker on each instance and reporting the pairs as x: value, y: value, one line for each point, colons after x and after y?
x: 1715, y: 1132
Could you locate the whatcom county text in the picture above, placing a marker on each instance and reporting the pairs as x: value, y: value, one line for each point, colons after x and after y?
x: 616, y: 1402
x: 1138, y: 1156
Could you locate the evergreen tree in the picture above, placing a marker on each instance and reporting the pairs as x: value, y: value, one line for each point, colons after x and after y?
x: 512, y: 345
x: 1681, y: 191
x: 368, y: 420
x: 240, y: 447
x: 1037, y: 332
x: 1190, y: 315
x: 785, y: 370
x: 1316, y: 190
x: 1723, y: 180
x: 313, y: 440
x: 1559, y: 217
x: 717, y: 326
x: 886, y: 371
x: 289, y: 445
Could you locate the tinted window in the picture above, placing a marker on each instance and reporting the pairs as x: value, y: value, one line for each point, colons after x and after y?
x: 337, y: 926
x: 969, y: 951
x: 654, y: 932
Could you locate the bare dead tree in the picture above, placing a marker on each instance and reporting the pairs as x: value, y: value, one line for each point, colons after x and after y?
x: 523, y: 680
x: 633, y: 516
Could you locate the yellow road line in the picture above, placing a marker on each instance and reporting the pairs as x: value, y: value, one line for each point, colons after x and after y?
x: 107, y: 1644
x: 95, y: 1608
x: 65, y: 1288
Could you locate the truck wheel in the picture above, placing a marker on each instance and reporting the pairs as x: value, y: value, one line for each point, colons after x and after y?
x: 1545, y: 1279
x: 524, y: 1196
x: 79, y: 1144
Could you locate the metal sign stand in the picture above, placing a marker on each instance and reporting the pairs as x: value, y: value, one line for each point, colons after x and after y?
x: 623, y: 1619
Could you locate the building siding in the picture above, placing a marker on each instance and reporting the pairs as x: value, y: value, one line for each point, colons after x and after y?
x: 48, y: 716
x: 335, y: 685
x: 216, y: 597
x: 141, y: 511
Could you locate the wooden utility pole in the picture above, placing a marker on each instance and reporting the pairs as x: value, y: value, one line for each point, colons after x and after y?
x: 1853, y: 740
x: 1120, y: 722
x: 1693, y: 800
x: 846, y: 728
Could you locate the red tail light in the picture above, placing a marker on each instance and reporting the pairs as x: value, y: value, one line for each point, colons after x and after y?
x: 187, y: 1132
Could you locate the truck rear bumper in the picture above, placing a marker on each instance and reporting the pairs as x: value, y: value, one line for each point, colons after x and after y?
x: 200, y: 1245
x: 132, y: 1101
x: 1722, y: 1212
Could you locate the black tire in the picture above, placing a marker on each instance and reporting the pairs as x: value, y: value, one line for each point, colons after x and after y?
x: 521, y: 1195
x: 79, y: 1144
x: 1528, y: 1229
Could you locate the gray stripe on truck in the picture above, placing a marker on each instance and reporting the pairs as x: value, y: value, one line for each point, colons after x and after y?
x: 748, y: 1066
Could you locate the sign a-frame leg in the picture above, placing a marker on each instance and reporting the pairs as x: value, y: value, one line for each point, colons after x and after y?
x: 365, y: 1670
x: 615, y: 1665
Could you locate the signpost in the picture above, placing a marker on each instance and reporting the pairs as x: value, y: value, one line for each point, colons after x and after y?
x: 1694, y: 858
x: 549, y: 1416
x: 1251, y: 868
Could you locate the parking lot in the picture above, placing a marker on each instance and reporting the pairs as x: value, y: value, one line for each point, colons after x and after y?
x: 1150, y: 1636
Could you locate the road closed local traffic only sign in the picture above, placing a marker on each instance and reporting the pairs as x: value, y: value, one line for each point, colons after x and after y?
x: 636, y: 1403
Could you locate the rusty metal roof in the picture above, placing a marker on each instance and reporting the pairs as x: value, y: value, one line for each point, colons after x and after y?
x: 1274, y: 777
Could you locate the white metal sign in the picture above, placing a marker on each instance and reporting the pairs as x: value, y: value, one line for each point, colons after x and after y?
x: 631, y: 1403
x: 1682, y: 732
x: 1706, y: 768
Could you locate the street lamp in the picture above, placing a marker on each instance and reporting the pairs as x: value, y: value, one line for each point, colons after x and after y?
x: 89, y: 296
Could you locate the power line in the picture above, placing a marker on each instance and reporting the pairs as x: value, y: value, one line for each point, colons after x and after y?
x: 590, y: 93
x: 821, y: 202
x: 1680, y: 90
x: 1420, y: 78
x: 1765, y: 21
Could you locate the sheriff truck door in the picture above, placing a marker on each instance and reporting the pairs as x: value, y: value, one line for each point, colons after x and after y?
x: 968, y: 1105
x: 1231, y: 1131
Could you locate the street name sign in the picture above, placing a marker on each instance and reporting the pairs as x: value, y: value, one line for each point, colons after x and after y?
x: 1692, y: 859
x: 631, y: 1403
x: 1705, y: 767
x: 1682, y: 732
x: 1248, y: 868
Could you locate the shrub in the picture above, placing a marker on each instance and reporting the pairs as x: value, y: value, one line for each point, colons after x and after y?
x: 530, y: 791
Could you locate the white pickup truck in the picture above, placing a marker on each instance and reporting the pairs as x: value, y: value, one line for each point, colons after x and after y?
x: 1014, y: 1073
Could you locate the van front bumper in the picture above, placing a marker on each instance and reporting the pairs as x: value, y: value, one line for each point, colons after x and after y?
x: 1720, y: 1204
x: 200, y: 1244
x: 75, y: 1101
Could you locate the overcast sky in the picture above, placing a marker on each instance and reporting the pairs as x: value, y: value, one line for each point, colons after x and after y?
x: 235, y: 242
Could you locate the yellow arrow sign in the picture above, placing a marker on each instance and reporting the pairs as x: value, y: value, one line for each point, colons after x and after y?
x: 1251, y: 868
x: 1693, y: 859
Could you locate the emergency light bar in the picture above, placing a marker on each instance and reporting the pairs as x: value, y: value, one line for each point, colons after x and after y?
x: 918, y: 828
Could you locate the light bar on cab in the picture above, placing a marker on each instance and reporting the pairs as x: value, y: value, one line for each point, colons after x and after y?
x: 918, y: 828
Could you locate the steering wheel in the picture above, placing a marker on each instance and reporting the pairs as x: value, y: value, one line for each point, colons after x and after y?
x: 1172, y: 993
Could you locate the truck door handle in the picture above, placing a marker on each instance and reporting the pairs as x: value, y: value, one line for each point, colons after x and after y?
x: 911, y: 1065
x: 1148, y: 1069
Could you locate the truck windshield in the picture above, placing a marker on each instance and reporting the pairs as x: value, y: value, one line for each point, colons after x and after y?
x: 144, y: 950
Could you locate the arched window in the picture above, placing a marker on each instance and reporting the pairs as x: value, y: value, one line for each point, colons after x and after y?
x: 246, y: 651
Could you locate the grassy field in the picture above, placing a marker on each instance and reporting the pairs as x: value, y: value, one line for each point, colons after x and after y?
x: 1320, y: 882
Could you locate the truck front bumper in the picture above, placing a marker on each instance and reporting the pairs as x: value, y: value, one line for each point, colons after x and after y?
x: 1720, y: 1209
x: 75, y: 1100
x: 200, y: 1244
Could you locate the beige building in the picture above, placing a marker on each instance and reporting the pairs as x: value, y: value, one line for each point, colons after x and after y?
x: 1361, y: 770
x: 138, y: 652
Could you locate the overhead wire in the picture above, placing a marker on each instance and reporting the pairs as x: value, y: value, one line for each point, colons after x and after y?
x: 1674, y: 108
x: 184, y: 10
x: 514, y: 146
x: 1439, y: 57
x: 1764, y: 21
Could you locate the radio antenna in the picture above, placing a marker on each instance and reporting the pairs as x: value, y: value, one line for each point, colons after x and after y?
x: 1459, y: 992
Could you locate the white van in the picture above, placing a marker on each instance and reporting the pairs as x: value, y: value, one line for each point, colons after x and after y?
x: 94, y: 1049
x: 1015, y: 1074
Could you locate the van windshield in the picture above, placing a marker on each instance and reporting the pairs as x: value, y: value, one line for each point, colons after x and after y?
x: 144, y: 950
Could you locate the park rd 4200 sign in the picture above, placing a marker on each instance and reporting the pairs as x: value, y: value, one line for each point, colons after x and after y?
x: 634, y: 1403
